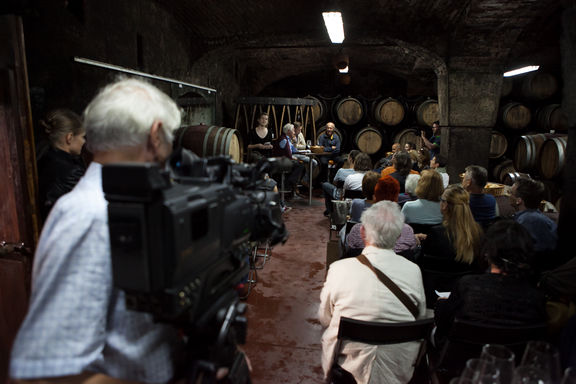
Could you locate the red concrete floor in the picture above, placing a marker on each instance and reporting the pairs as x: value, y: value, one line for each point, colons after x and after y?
x: 283, y: 341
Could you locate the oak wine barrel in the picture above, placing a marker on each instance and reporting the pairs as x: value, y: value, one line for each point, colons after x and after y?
x: 349, y: 111
x: 500, y: 171
x: 389, y: 111
x: 516, y: 115
x: 368, y: 140
x: 319, y: 109
x: 539, y: 86
x: 498, y: 145
x: 551, y: 118
x: 427, y: 112
x: 553, y: 157
x: 528, y: 151
x: 409, y: 135
x: 206, y: 140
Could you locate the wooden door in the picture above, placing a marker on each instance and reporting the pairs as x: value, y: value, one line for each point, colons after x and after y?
x: 18, y: 211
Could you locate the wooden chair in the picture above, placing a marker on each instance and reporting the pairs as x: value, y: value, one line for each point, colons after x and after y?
x: 377, y: 333
x: 465, y: 341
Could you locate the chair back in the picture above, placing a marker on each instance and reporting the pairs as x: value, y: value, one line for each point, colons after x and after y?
x: 353, y: 194
x: 377, y: 333
x: 466, y: 338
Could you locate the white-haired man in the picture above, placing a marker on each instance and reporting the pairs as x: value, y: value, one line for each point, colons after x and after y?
x: 353, y: 290
x: 78, y: 329
x: 283, y: 147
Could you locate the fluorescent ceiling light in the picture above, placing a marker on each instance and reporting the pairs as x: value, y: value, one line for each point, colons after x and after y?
x: 345, y: 70
x: 520, y: 71
x: 334, y: 26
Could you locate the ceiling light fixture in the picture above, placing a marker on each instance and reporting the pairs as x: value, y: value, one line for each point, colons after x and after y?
x: 334, y: 26
x: 522, y: 70
x: 344, y: 70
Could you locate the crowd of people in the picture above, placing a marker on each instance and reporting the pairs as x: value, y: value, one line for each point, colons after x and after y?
x: 425, y: 233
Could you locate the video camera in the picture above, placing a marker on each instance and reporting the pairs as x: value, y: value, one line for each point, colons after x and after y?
x: 181, y: 240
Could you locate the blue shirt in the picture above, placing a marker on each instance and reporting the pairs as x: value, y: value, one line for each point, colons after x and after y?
x: 541, y: 228
x: 328, y: 141
x: 483, y: 206
x: 77, y: 321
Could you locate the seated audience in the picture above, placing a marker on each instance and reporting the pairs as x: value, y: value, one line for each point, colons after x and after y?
x: 450, y: 249
x: 502, y: 296
x: 482, y: 205
x: 387, y: 161
x: 386, y: 190
x: 426, y: 209
x: 438, y: 163
x: 359, y: 205
x: 391, y: 169
x: 525, y: 196
x: 423, y: 159
x: 332, y: 191
x: 353, y: 290
x: 362, y: 164
x: 60, y: 167
x: 410, y: 189
x: 402, y: 168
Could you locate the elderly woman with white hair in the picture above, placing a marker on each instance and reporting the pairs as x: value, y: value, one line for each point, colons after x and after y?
x: 283, y: 148
x: 353, y: 290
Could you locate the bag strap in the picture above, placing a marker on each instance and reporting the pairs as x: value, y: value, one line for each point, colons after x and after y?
x: 396, y: 290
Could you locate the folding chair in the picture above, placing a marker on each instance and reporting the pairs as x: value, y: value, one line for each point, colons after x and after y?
x: 465, y: 341
x: 377, y: 333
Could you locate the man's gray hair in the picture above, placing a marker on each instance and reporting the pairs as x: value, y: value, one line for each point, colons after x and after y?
x: 287, y: 128
x: 383, y: 224
x: 411, y: 183
x: 123, y: 112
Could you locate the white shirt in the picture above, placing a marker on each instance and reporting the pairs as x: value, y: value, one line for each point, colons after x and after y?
x: 353, y: 182
x: 353, y: 290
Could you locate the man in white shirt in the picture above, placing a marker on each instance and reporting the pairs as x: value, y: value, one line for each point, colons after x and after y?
x: 353, y: 290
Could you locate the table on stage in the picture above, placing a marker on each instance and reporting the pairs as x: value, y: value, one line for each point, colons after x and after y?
x: 311, y: 155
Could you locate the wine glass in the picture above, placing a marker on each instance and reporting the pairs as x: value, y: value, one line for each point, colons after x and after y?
x: 569, y: 376
x: 525, y: 374
x: 544, y: 356
x: 481, y: 371
x: 308, y: 143
x: 502, y: 357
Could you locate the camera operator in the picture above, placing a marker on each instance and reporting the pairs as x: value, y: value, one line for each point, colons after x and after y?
x: 78, y: 328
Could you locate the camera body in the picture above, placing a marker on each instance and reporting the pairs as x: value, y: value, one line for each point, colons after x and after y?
x: 180, y: 249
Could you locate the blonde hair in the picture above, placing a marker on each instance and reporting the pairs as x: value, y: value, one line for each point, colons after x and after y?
x: 462, y: 230
x: 430, y: 186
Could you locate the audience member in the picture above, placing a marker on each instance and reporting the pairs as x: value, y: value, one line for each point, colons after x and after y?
x: 482, y: 205
x: 438, y: 163
x: 423, y: 159
x: 60, y: 167
x: 353, y: 290
x: 360, y: 205
x: 386, y: 189
x: 525, y: 196
x: 260, y: 140
x: 391, y: 169
x: 410, y: 189
x: 426, y: 209
x: 433, y: 144
x: 502, y: 296
x: 387, y: 161
x: 403, y: 167
x: 78, y: 328
x: 450, y: 249
x: 362, y: 164
x: 332, y: 191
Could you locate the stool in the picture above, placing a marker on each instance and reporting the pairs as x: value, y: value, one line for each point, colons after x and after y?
x: 260, y: 251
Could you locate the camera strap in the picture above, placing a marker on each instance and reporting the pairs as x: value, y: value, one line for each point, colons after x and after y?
x: 396, y: 290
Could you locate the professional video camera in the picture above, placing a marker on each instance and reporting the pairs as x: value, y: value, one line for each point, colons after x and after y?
x: 181, y: 241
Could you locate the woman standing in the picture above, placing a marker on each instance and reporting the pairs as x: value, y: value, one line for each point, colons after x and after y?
x: 61, y: 166
x: 260, y: 139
